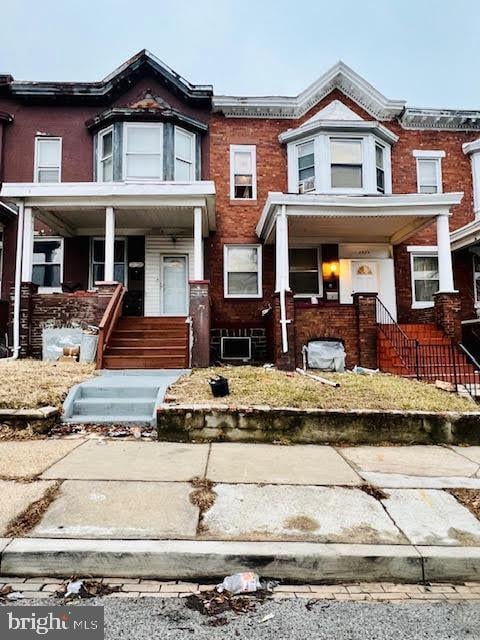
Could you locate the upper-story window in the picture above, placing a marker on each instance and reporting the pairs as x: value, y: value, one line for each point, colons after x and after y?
x: 346, y: 163
x: 143, y: 149
x: 339, y: 163
x: 429, y: 171
x: 243, y: 172
x: 48, y: 159
x: 105, y: 155
x: 184, y: 155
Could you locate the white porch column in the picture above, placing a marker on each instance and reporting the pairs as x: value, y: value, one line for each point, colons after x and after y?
x: 109, y: 244
x: 197, y: 244
x: 282, y: 282
x: 445, y: 269
x: 27, y: 262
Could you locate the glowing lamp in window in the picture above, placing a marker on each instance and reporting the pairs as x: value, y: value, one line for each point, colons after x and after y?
x: 330, y: 269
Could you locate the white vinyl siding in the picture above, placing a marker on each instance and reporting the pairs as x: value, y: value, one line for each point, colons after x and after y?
x: 155, y: 246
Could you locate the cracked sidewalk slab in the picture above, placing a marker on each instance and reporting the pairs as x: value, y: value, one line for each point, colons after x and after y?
x: 15, y: 497
x: 432, y: 517
x: 321, y: 514
x: 400, y: 481
x: 123, y: 510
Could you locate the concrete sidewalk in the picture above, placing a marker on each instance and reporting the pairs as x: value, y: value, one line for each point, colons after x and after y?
x: 302, y: 512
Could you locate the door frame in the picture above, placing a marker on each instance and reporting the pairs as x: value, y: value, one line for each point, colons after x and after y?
x: 172, y: 254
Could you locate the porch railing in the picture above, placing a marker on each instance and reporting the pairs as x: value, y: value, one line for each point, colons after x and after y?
x: 108, y: 322
x: 449, y: 362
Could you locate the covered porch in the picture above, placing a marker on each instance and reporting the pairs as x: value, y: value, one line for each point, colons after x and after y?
x: 335, y: 254
x: 76, y: 240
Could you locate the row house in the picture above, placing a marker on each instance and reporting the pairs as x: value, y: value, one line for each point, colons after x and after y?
x: 197, y: 227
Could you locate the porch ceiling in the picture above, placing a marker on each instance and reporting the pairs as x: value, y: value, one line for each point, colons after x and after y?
x: 388, y: 219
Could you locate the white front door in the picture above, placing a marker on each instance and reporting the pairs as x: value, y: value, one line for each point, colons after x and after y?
x: 174, y: 284
x: 365, y: 276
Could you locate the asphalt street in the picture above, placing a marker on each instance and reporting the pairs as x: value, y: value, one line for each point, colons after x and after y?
x: 152, y: 618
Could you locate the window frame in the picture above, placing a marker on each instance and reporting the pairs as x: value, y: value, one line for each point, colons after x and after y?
x: 91, y: 262
x: 243, y: 148
x: 237, y: 245
x: 362, y: 165
x: 431, y: 156
x: 125, y: 153
x: 297, y: 167
x: 420, y: 252
x: 100, y: 159
x: 193, y: 144
x: 62, y: 260
x: 319, y: 272
x: 377, y: 145
x: 37, y: 168
x: 476, y: 294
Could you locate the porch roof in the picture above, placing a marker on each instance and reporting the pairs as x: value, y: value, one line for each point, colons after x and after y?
x: 371, y: 218
x: 466, y: 236
x: 76, y: 207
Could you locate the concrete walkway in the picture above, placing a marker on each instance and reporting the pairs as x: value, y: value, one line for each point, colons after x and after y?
x: 308, y: 503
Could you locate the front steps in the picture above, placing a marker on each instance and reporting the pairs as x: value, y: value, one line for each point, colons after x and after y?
x: 119, y: 397
x: 148, y: 343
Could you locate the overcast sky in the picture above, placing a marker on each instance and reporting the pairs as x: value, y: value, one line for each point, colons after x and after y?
x: 424, y: 51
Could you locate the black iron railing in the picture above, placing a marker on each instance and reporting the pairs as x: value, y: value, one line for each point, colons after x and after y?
x: 446, y: 361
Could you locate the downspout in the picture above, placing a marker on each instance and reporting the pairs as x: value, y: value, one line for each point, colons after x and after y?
x: 18, y: 285
x: 282, y: 271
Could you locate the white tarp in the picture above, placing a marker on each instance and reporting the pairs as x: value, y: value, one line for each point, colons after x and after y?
x: 328, y: 355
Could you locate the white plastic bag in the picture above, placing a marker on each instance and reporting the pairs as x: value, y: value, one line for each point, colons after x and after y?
x: 246, y: 582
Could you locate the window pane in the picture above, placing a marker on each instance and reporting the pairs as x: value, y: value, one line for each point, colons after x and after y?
x: 242, y: 259
x: 425, y: 289
x: 245, y: 192
x: 306, y: 149
x: 107, y: 170
x: 304, y: 174
x: 98, y: 251
x: 143, y: 166
x: 242, y: 162
x: 350, y: 177
x: 48, y: 152
x: 144, y: 139
x: 119, y: 251
x: 183, y: 170
x: 183, y: 145
x: 380, y: 180
x: 426, y: 266
x: 46, y: 275
x: 306, y: 161
x: 47, y: 251
x: 107, y: 144
x: 303, y: 259
x: 379, y: 156
x: 242, y: 283
x: 346, y: 151
x: 48, y: 175
x: 304, y: 282
x: 98, y: 273
x: 119, y: 272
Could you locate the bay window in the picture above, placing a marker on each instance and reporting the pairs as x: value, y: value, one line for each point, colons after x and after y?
x: 48, y: 159
x: 242, y: 271
x: 305, y: 274
x: 346, y: 163
x: 105, y: 156
x: 47, y: 263
x: 380, y: 167
x: 184, y: 155
x: 425, y: 279
x: 243, y: 172
x: 306, y: 167
x: 143, y: 147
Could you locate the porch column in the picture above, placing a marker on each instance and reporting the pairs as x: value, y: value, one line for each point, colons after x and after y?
x: 109, y: 244
x: 281, y: 252
x: 445, y: 269
x: 27, y: 262
x: 283, y: 308
x: 197, y: 244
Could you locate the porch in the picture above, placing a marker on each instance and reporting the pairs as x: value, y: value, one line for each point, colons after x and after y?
x: 78, y: 240
x: 335, y: 254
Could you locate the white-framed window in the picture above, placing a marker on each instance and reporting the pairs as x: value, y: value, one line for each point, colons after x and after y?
x: 380, y: 167
x: 305, y: 271
x: 425, y: 278
x: 243, y: 172
x: 97, y: 260
x: 242, y: 270
x: 306, y: 166
x: 429, y: 171
x: 47, y: 271
x: 184, y: 155
x: 346, y: 163
x: 105, y: 155
x: 48, y: 159
x: 476, y: 279
x: 143, y: 151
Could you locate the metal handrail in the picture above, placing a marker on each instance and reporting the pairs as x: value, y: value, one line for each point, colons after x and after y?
x: 469, y: 355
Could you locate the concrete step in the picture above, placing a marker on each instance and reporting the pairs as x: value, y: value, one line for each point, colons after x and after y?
x: 114, y: 407
x: 140, y: 420
x: 116, y: 392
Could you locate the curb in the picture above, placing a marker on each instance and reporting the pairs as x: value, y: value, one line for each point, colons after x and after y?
x: 186, y: 559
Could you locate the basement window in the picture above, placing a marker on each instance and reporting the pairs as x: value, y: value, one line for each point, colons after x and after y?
x: 236, y: 348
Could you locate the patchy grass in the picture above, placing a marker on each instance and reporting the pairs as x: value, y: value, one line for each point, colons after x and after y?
x: 30, y: 384
x: 470, y: 498
x: 258, y: 386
